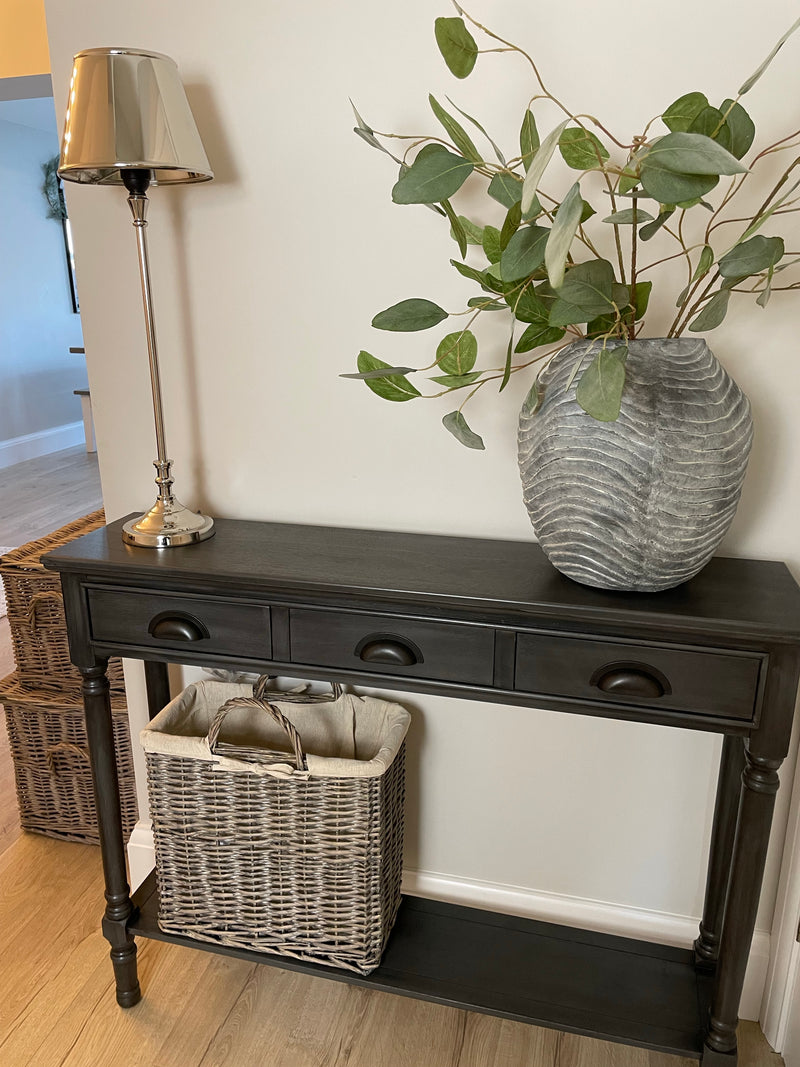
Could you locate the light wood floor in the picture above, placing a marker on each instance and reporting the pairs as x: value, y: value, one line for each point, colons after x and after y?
x: 57, y: 1006
x: 40, y: 495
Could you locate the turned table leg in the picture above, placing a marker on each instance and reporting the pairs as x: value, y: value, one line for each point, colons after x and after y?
x: 723, y: 831
x: 759, y: 786
x: 119, y: 909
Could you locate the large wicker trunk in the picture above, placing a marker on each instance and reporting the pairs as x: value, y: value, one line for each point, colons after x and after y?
x: 47, y: 738
x: 36, y: 613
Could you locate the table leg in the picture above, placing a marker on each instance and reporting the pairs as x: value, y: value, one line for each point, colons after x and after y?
x: 731, y: 765
x: 759, y: 786
x: 119, y: 909
x: 156, y: 677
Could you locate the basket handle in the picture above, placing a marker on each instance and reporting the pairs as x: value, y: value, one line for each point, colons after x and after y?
x: 64, y: 746
x: 262, y: 705
x: 40, y: 598
x: 295, y: 696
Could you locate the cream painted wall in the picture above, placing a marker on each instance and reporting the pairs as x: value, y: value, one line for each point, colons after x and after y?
x: 23, y: 39
x: 266, y: 281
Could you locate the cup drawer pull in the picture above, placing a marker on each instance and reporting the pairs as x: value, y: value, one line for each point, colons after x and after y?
x: 629, y: 679
x: 173, y: 627
x: 387, y: 648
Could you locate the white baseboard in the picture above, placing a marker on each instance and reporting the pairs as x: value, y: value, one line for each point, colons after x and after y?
x: 33, y: 445
x: 661, y: 927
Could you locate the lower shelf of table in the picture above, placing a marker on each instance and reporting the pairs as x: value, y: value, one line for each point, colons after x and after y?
x: 611, y: 988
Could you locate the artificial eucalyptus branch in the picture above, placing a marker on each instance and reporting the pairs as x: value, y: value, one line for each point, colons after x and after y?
x: 532, y: 264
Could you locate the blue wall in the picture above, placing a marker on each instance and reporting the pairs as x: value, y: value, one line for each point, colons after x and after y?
x: 37, y: 324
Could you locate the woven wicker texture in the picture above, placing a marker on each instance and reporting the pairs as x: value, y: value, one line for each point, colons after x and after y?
x: 47, y: 738
x: 302, y: 867
x: 36, y: 613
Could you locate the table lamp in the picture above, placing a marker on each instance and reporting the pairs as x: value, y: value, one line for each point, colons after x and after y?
x: 128, y: 123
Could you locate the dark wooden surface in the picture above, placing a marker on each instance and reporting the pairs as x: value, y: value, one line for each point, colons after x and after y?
x: 609, y: 987
x: 489, y: 621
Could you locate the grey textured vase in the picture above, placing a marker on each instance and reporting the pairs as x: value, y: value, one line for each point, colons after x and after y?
x: 640, y: 503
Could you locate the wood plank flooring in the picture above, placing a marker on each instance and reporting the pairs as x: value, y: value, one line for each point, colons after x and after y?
x: 57, y: 1006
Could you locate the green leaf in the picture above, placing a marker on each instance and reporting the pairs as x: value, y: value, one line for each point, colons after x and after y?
x: 651, y: 228
x: 536, y: 335
x: 456, y: 229
x: 486, y: 303
x: 510, y: 225
x: 505, y: 188
x: 713, y: 313
x: 382, y: 372
x: 629, y: 217
x: 691, y: 154
x: 559, y: 241
x: 473, y: 232
x: 642, y: 298
x: 528, y: 139
x: 586, y: 293
x: 478, y: 126
x: 704, y: 263
x: 763, y: 297
x: 395, y: 387
x: 481, y: 277
x: 509, y: 357
x: 751, y: 81
x: 434, y: 176
x: 458, y: 135
x: 409, y: 316
x: 711, y: 123
x: 528, y: 306
x: 457, y: 425
x: 751, y: 257
x: 524, y: 252
x: 538, y: 166
x: 580, y: 149
x: 599, y: 391
x: 680, y: 115
x: 457, y: 381
x: 535, y: 398
x: 457, y: 46
x: 491, y: 243
x: 670, y: 188
x: 741, y: 126
x: 457, y: 352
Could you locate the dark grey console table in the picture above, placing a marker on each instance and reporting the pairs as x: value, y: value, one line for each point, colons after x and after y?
x: 492, y: 621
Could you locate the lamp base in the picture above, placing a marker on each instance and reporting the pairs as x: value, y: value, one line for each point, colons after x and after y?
x: 167, y: 525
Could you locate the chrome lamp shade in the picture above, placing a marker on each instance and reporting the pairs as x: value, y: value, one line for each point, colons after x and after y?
x: 128, y: 122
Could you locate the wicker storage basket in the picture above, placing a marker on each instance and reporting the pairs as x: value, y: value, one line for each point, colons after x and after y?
x: 36, y: 613
x: 293, y: 849
x: 47, y: 738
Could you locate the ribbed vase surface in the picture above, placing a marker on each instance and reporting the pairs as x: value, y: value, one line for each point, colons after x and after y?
x: 641, y: 503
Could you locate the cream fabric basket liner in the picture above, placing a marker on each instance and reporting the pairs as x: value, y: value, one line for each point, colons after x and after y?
x: 352, y: 737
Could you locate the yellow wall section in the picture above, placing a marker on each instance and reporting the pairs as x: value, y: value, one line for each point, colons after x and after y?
x: 23, y: 39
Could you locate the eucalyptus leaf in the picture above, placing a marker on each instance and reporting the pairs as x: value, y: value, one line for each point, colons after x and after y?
x: 458, y: 135
x: 562, y: 234
x: 691, y: 154
x: 704, y: 263
x: 751, y: 257
x: 599, y: 390
x: 470, y: 272
x: 409, y: 316
x: 680, y: 115
x: 457, y: 381
x: 491, y: 243
x: 383, y: 372
x: 538, y: 334
x: 641, y: 298
x: 510, y: 225
x: 506, y: 188
x: 524, y: 252
x: 586, y: 291
x: 528, y: 306
x: 751, y: 81
x: 668, y: 187
x: 538, y: 165
x: 651, y: 228
x: 457, y: 46
x: 534, y: 400
x: 711, y: 122
x: 478, y: 126
x: 486, y: 303
x: 713, y: 313
x: 395, y: 387
x: 629, y: 217
x: 741, y: 126
x: 763, y: 297
x: 528, y: 138
x: 458, y: 427
x: 457, y: 352
x: 473, y: 232
x: 581, y: 149
x: 456, y: 229
x: 509, y: 358
x: 433, y: 177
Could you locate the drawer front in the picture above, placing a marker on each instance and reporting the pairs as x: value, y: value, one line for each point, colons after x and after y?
x: 712, y: 682
x: 180, y: 623
x: 444, y: 651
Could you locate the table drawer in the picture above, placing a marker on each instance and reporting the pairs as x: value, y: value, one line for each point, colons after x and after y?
x: 709, y: 682
x: 452, y: 652
x: 182, y: 623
